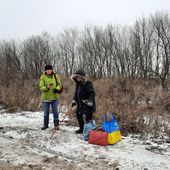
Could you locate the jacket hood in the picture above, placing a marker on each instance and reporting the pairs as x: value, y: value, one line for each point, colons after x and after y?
x: 80, y: 74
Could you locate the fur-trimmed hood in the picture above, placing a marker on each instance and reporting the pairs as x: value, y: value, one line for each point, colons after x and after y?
x: 81, y: 74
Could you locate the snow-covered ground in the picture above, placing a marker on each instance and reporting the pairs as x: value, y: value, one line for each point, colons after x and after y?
x: 24, y: 145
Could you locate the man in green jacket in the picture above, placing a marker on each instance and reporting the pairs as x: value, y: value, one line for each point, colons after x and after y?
x: 50, y: 86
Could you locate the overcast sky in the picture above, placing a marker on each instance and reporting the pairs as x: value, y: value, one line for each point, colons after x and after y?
x: 22, y: 18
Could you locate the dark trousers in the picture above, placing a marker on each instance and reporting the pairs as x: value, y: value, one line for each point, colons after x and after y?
x: 79, y: 116
x: 54, y: 105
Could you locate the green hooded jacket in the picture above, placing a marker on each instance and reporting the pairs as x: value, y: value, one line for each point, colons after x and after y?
x: 48, y: 94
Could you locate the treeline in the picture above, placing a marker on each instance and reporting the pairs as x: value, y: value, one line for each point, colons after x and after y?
x: 138, y: 51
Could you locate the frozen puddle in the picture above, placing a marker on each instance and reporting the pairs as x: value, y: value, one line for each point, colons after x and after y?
x: 23, y: 144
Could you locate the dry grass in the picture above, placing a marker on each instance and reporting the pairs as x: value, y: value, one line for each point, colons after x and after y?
x: 140, y: 106
x: 20, y: 95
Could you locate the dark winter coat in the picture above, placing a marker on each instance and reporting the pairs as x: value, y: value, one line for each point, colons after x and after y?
x: 85, y: 92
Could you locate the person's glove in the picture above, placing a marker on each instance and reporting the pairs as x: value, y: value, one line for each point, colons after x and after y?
x: 88, y: 102
x: 55, y: 91
x: 73, y: 103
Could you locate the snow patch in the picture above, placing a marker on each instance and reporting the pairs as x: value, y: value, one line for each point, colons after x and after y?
x: 23, y: 143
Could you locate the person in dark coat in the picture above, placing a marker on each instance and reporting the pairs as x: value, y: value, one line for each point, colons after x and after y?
x: 84, y: 98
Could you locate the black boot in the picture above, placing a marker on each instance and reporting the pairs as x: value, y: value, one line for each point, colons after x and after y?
x: 56, y: 124
x: 44, y: 127
x: 46, y: 122
x: 79, y: 131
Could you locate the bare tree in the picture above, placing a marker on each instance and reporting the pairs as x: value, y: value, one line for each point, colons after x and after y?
x: 161, y: 27
x: 36, y: 52
x: 10, y: 60
x: 66, y: 48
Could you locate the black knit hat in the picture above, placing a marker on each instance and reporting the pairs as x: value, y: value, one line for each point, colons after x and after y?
x: 48, y: 67
x: 80, y: 72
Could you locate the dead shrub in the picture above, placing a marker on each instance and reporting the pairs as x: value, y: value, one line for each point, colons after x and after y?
x: 139, y: 105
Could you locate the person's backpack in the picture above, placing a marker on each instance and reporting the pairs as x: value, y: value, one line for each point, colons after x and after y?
x: 62, y: 88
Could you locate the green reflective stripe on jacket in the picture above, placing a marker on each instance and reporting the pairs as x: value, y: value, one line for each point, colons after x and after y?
x: 45, y: 80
